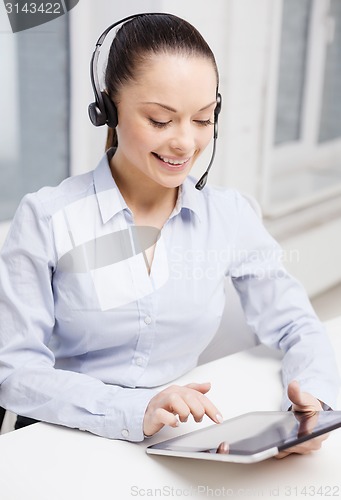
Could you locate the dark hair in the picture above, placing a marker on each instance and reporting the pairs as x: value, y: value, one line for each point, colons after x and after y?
x: 145, y: 35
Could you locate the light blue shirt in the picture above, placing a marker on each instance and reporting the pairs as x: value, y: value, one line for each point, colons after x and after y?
x: 87, y: 334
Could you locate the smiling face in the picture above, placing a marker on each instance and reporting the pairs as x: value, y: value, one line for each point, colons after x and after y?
x: 165, y: 119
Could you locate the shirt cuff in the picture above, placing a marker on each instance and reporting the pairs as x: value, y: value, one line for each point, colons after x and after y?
x: 325, y: 407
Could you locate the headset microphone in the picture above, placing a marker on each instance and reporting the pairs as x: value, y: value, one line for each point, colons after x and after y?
x: 203, y: 179
x: 103, y: 110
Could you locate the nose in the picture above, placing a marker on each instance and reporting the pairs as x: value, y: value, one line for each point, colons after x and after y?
x: 183, y: 138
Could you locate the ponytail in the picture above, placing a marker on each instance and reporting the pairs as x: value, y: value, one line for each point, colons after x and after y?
x: 111, y: 141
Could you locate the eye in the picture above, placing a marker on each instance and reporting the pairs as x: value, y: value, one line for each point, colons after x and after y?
x: 157, y: 124
x: 204, y: 123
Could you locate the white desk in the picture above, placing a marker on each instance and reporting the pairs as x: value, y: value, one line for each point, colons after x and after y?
x: 46, y: 462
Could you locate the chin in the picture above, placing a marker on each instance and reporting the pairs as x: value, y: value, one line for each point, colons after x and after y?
x: 173, y: 183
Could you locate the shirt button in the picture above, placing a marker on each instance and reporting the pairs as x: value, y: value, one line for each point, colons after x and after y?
x: 147, y: 320
x: 125, y: 433
x: 139, y: 361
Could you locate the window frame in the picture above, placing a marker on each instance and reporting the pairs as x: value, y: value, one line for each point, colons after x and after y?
x: 284, y: 163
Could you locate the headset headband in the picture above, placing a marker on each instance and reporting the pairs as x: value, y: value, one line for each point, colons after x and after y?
x: 98, y: 112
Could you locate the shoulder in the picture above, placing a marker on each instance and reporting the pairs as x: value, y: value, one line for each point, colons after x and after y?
x: 50, y: 199
x: 224, y: 198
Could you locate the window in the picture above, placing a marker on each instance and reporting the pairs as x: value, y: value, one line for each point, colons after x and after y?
x: 34, y: 127
x: 303, y: 142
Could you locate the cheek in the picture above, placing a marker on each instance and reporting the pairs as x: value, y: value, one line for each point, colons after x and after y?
x: 133, y: 135
x: 206, y: 137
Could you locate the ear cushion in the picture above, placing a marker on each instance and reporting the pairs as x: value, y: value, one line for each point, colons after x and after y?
x: 219, y: 104
x: 216, y: 114
x: 111, y: 110
x: 95, y: 114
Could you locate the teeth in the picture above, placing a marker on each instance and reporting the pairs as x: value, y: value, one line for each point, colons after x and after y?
x: 172, y: 162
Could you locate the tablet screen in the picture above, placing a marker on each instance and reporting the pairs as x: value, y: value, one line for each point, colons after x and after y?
x: 254, y: 432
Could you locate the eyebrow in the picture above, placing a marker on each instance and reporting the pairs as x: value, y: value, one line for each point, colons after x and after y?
x: 174, y: 110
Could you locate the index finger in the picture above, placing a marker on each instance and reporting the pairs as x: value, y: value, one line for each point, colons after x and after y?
x: 203, y: 387
x: 209, y: 408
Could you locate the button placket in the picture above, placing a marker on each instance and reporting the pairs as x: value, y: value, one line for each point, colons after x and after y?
x: 146, y: 335
x: 139, y: 361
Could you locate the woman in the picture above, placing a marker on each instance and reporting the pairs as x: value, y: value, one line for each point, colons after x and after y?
x: 112, y: 283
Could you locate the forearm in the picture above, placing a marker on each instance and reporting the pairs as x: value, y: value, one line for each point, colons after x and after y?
x: 309, y: 359
x: 77, y: 401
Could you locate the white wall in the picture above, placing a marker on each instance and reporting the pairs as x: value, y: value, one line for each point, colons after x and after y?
x: 240, y: 33
x: 8, y: 102
x: 8, y: 96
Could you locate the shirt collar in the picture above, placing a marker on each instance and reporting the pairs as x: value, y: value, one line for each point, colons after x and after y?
x: 111, y: 201
x: 190, y: 198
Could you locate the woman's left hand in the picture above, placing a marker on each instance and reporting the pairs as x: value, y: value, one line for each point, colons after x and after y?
x: 307, y: 405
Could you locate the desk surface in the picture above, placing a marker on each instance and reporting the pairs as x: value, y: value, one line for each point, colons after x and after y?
x: 47, y: 462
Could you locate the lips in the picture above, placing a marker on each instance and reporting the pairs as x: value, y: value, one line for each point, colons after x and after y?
x: 172, y: 163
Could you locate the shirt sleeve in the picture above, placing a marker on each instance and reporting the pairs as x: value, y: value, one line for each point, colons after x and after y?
x: 279, y: 312
x: 30, y: 385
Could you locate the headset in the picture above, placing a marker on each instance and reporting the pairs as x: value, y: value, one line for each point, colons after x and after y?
x: 103, y: 110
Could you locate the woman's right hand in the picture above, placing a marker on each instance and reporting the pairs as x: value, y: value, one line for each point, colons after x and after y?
x: 174, y: 405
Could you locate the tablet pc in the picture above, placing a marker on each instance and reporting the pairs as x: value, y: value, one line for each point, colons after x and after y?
x: 250, y: 437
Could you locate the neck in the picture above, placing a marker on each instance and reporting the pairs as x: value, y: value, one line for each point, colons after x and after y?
x: 142, y: 195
